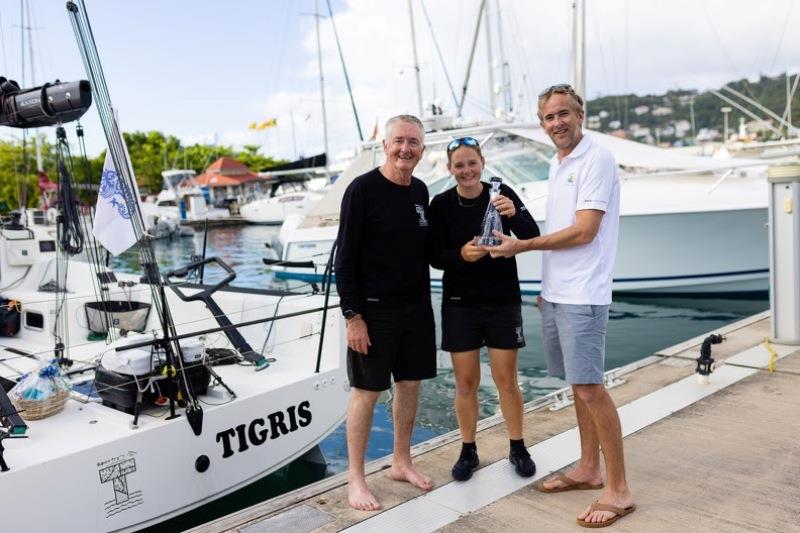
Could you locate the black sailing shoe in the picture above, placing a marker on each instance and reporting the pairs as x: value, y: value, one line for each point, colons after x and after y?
x: 466, y: 464
x: 521, y: 459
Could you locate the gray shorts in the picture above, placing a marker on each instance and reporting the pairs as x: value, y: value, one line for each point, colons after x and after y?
x: 574, y: 338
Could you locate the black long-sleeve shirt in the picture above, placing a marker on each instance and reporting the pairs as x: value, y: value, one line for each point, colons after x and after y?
x: 381, y: 255
x: 456, y: 220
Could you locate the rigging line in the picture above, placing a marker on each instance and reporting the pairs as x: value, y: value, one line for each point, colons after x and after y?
x: 785, y: 116
x: 602, y: 55
x: 482, y: 104
x: 783, y: 33
x: 439, y: 52
x: 710, y: 22
x: 526, y: 75
x: 344, y: 69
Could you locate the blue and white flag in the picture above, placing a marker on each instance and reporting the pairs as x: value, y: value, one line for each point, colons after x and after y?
x: 113, y: 227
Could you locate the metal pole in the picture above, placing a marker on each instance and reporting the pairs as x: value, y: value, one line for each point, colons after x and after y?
x: 416, y: 59
x: 490, y: 58
x: 294, y: 138
x: 725, y: 110
x: 788, y: 107
x: 784, y: 249
x: 36, y: 145
x: 505, y: 73
x: 322, y: 90
x: 471, y: 56
x: 579, y: 48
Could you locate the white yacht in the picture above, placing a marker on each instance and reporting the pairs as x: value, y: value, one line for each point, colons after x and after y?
x: 289, y: 200
x: 182, y: 200
x: 689, y: 224
x: 119, y: 455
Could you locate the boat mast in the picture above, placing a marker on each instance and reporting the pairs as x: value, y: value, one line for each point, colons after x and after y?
x: 471, y: 56
x: 322, y: 90
x: 490, y: 58
x: 36, y: 145
x: 505, y: 73
x: 579, y: 48
x: 416, y: 60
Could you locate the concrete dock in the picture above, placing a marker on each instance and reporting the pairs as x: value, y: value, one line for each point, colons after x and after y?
x: 717, y: 457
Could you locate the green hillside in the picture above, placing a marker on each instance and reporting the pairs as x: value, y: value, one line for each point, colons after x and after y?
x: 668, y: 114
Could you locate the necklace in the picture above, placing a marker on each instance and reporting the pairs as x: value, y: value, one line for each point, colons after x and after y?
x: 465, y: 204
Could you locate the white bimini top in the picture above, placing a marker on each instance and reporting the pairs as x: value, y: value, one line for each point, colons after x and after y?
x: 585, y: 179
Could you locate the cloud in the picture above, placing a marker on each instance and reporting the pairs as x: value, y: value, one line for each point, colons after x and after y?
x: 258, y: 60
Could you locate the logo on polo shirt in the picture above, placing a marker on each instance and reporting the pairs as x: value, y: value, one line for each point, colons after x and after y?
x: 571, y: 179
x: 423, y: 223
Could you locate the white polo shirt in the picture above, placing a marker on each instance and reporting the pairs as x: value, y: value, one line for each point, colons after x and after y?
x: 586, y: 179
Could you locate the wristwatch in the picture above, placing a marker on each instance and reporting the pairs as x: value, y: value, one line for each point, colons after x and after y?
x: 349, y: 313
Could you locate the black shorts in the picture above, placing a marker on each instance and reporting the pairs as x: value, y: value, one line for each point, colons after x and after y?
x: 466, y: 328
x: 403, y: 346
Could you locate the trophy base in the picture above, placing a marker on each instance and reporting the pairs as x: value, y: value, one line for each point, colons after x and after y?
x: 488, y: 241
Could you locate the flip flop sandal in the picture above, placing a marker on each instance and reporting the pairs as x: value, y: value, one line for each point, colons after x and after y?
x: 619, y: 512
x: 568, y: 484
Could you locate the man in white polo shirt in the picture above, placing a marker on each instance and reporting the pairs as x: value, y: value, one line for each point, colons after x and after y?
x: 582, y: 222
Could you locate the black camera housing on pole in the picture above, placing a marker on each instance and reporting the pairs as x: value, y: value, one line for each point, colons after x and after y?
x: 48, y: 105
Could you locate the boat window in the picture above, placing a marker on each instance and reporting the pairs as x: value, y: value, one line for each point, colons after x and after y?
x: 518, y: 160
x: 34, y: 320
x: 293, y: 198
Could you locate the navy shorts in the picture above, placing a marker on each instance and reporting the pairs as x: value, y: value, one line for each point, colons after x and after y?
x: 467, y: 328
x: 574, y: 338
x: 403, y: 347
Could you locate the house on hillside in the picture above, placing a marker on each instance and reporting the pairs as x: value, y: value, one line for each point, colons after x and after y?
x: 230, y: 182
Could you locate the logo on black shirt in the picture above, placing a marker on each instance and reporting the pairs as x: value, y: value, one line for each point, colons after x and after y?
x: 423, y: 223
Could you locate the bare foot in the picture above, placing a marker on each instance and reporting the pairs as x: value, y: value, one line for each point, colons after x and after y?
x: 621, y: 500
x: 577, y: 476
x: 359, y: 497
x: 409, y: 474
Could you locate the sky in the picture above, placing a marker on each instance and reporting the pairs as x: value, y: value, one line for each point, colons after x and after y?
x: 203, y: 70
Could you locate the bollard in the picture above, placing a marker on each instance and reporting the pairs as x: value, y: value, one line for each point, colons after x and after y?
x: 784, y: 251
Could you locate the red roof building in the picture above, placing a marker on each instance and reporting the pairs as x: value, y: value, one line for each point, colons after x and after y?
x: 229, y: 179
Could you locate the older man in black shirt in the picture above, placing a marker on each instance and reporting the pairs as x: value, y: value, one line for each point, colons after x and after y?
x: 384, y: 287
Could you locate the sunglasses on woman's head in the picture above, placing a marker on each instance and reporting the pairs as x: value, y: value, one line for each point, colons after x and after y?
x: 463, y: 141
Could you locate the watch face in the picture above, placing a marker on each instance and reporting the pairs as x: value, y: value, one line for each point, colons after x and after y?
x: 348, y: 313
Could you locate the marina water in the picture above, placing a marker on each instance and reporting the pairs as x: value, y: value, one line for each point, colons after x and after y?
x: 638, y: 327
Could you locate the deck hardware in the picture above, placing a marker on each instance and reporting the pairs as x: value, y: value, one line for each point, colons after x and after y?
x: 561, y: 400
x: 705, y: 363
x: 202, y: 463
x: 613, y: 380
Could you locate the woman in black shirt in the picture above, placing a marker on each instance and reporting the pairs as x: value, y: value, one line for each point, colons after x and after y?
x: 481, y: 302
